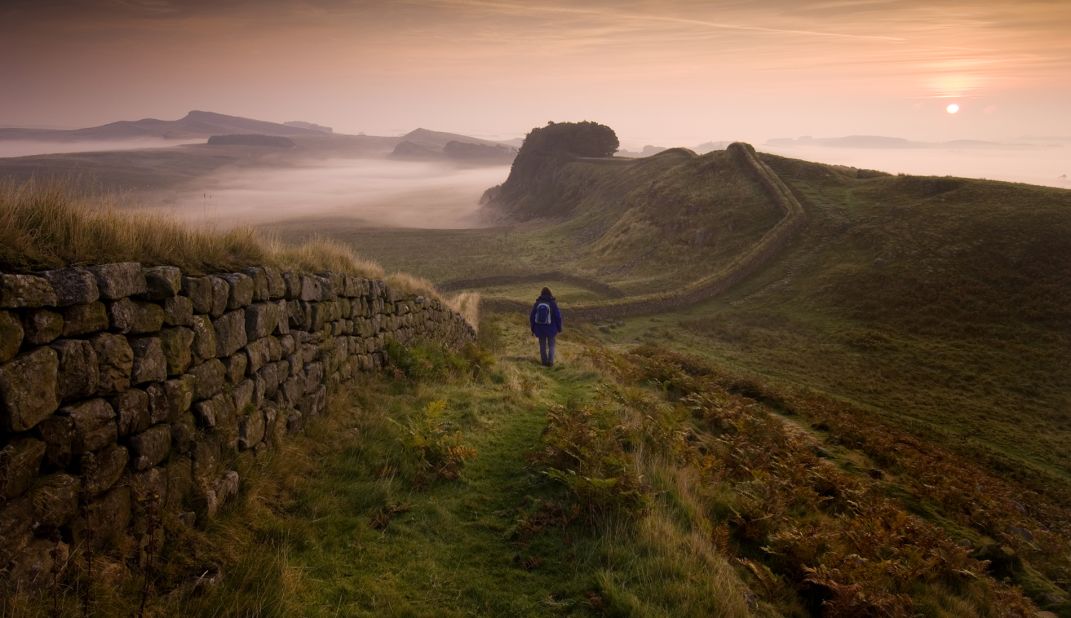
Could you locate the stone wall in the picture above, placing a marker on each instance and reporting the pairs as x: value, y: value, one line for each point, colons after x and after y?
x: 127, y: 393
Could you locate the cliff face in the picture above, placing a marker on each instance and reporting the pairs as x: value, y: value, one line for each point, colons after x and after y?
x: 128, y: 392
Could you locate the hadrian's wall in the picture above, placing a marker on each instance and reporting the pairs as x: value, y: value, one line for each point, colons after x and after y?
x: 129, y: 393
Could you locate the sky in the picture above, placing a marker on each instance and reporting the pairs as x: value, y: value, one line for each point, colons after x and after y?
x: 667, y: 72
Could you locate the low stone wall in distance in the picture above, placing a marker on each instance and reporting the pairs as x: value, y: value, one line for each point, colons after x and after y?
x: 129, y: 393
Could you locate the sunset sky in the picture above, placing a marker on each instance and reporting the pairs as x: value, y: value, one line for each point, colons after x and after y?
x: 676, y: 72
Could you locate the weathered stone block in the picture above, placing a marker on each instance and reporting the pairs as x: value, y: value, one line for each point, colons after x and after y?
x: 260, y: 283
x: 42, y: 326
x: 148, y: 492
x: 73, y: 286
x: 236, y: 364
x: 311, y: 288
x: 79, y: 369
x: 150, y: 364
x: 29, y: 389
x: 159, y: 404
x: 214, y: 412
x: 117, y: 281
x: 205, y: 345
x: 293, y: 285
x: 93, y: 422
x: 176, y: 345
x: 230, y: 332
x: 101, y: 470
x: 282, y: 317
x: 163, y: 282
x: 25, y: 291
x: 241, y: 290
x: 150, y: 447
x: 132, y: 410
x: 11, y: 335
x: 183, y: 433
x: 276, y: 282
x: 314, y: 376
x: 134, y: 316
x: 251, y: 430
x: 221, y: 292
x: 259, y: 354
x: 178, y: 311
x: 85, y: 319
x: 179, y: 395
x: 261, y: 320
x: 199, y: 291
x: 243, y: 395
x: 209, y: 379
x: 20, y: 462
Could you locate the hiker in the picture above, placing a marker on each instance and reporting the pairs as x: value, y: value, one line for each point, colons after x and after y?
x: 546, y: 322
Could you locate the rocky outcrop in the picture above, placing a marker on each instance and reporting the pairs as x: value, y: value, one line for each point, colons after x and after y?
x: 123, y: 386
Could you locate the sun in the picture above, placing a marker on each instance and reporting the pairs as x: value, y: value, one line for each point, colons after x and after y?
x: 952, y: 108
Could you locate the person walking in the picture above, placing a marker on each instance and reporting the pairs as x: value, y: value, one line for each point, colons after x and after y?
x: 546, y: 323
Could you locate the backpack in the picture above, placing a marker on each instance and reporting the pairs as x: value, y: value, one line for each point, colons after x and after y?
x: 542, y: 313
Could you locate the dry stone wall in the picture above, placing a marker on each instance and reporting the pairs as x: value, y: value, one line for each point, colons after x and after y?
x: 130, y: 392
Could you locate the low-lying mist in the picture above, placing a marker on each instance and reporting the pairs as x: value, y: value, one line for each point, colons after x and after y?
x: 375, y: 192
x: 27, y: 148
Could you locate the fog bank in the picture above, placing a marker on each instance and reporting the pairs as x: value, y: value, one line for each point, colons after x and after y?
x: 374, y: 191
x: 27, y: 148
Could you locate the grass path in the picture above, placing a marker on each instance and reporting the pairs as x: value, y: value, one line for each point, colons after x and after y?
x: 450, y: 550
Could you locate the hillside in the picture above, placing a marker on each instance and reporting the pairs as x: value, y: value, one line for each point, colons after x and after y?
x: 194, y: 124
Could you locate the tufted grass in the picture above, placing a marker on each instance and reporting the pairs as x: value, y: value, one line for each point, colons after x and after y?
x: 49, y: 225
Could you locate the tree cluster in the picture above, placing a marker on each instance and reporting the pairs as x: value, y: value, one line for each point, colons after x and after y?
x: 582, y: 139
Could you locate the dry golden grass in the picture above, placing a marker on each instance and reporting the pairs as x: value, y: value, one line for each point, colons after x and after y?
x: 49, y: 225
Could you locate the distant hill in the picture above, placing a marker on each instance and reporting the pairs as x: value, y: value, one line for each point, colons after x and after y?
x: 312, y: 126
x: 193, y: 125
x: 251, y: 139
x: 426, y: 145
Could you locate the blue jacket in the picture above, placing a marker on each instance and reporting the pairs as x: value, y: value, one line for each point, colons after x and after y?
x: 546, y: 330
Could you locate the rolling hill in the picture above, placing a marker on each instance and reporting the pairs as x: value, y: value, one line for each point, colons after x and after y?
x: 193, y: 125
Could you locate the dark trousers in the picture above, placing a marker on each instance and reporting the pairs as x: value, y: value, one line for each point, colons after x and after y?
x: 546, y: 350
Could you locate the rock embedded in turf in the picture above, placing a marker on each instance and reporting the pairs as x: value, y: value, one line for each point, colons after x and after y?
x: 73, y: 286
x: 120, y: 280
x: 28, y: 388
